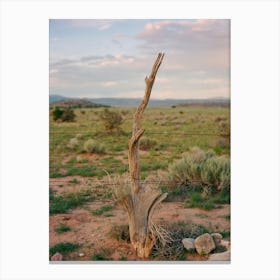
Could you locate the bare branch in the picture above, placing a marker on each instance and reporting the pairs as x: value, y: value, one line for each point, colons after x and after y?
x: 137, y: 132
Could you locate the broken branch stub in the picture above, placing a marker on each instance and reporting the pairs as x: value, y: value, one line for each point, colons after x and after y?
x: 142, y: 200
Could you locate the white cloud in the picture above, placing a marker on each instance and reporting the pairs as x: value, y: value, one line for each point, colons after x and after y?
x: 100, y: 24
x: 109, y: 84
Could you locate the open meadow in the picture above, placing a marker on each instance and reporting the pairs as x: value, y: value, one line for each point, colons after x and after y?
x: 185, y: 151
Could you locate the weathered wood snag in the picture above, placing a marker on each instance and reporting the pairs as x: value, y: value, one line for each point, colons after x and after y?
x: 142, y: 200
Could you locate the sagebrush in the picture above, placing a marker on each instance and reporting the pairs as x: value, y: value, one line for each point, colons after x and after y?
x: 201, y: 168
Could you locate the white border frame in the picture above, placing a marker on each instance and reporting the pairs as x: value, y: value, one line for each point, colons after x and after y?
x: 255, y: 138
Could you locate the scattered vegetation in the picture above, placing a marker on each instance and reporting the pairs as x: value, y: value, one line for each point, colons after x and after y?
x: 62, y: 228
x: 101, y: 256
x: 102, y: 209
x: 63, y: 248
x: 61, y: 204
x: 197, y: 200
x: 205, y: 183
x: 74, y: 181
x: 122, y: 257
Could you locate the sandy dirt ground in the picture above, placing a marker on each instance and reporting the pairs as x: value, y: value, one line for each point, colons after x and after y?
x: 92, y: 232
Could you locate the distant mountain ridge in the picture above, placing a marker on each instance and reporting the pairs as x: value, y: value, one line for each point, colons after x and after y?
x: 134, y: 102
x: 76, y: 103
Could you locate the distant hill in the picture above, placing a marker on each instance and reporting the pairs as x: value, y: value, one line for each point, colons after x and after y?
x: 134, y: 102
x: 221, y: 102
x: 56, y: 98
x: 75, y: 103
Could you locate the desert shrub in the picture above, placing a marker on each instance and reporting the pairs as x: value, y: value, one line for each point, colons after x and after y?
x: 224, y: 127
x: 202, y: 169
x: 73, y: 143
x: 111, y: 120
x: 64, y: 115
x: 57, y: 113
x: 92, y: 146
x: 68, y: 115
x: 222, y: 143
x: 79, y: 136
x: 147, y: 143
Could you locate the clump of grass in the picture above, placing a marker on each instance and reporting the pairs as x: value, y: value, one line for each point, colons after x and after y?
x: 61, y: 204
x: 84, y: 171
x: 74, y: 181
x: 73, y: 143
x: 197, y: 200
x: 102, y: 209
x: 101, y: 256
x: 122, y: 257
x: 62, y: 228
x: 63, y: 248
x: 147, y: 143
x: 92, y: 146
x: 225, y: 233
x: 206, y: 201
x: 120, y: 232
x: 202, y: 169
x: 219, y: 249
x: 177, y: 193
x: 227, y: 216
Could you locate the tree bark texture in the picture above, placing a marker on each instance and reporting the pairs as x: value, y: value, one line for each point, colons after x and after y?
x: 142, y: 200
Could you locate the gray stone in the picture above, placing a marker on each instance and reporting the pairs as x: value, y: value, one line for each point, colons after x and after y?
x: 224, y: 256
x: 217, y: 237
x: 204, y: 244
x: 188, y: 244
x: 57, y: 257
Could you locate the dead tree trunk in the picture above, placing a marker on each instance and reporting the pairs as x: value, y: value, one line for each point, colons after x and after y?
x: 142, y: 200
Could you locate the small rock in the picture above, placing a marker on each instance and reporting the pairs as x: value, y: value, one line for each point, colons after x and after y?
x: 224, y: 256
x: 204, y: 244
x: 217, y: 237
x: 81, y: 254
x: 57, y: 257
x: 188, y: 243
x: 66, y: 218
x: 225, y: 243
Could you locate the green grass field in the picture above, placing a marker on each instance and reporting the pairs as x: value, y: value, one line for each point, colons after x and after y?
x: 173, y: 131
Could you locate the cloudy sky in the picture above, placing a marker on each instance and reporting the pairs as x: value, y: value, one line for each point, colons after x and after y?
x: 110, y: 58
